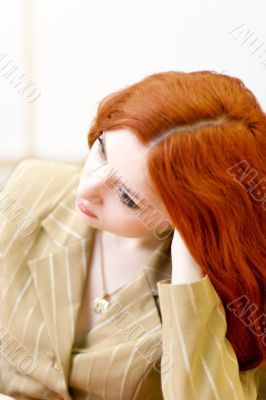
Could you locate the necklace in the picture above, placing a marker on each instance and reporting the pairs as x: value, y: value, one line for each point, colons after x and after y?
x: 101, y: 304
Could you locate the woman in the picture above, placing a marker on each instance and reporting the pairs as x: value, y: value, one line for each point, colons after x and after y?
x: 142, y: 275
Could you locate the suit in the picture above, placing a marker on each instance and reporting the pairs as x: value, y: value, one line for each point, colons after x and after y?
x: 157, y: 341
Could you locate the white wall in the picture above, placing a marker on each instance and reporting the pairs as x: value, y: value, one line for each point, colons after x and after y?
x: 76, y: 52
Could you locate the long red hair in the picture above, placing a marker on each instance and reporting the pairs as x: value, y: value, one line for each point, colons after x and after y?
x: 207, y: 161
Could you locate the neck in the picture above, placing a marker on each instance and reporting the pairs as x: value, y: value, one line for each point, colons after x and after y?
x: 146, y: 243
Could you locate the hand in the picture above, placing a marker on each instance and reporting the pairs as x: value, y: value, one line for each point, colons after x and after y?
x: 184, y: 267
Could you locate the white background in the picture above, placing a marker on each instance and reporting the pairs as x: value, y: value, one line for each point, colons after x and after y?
x: 78, y: 51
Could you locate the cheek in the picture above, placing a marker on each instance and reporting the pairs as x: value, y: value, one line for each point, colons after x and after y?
x: 133, y: 225
x: 127, y: 229
x: 118, y: 215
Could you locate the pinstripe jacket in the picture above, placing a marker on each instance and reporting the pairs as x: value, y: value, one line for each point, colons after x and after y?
x: 157, y: 341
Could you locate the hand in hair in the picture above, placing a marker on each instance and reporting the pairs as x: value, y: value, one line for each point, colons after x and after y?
x: 184, y: 267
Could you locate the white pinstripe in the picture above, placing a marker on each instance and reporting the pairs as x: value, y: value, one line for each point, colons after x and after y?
x: 203, y: 361
x: 65, y: 227
x: 12, y: 383
x: 46, y: 372
x: 208, y: 294
x: 53, y: 291
x: 18, y: 300
x: 210, y: 378
x: 70, y: 210
x: 84, y: 256
x: 127, y: 369
x: 183, y: 347
x: 69, y: 290
x: 36, y: 351
x: 7, y: 286
x: 29, y: 314
x: 147, y: 315
x: 45, y: 249
x: 221, y: 345
x: 171, y: 349
x: 192, y: 298
x: 35, y: 203
x: 231, y: 383
x: 74, y: 370
x: 122, y: 387
x: 112, y: 358
x: 38, y: 338
x: 15, y: 236
x: 226, y: 349
x: 165, y: 376
x: 143, y: 337
x: 89, y: 374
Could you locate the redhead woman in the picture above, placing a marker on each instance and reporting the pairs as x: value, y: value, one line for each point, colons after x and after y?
x: 140, y: 275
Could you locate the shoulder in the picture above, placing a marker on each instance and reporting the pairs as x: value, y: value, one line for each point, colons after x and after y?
x: 30, y: 169
x: 35, y: 187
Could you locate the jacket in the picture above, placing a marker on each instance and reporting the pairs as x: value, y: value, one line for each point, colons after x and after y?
x: 158, y: 340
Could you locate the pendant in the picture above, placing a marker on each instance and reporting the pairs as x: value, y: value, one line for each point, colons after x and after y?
x: 101, y: 304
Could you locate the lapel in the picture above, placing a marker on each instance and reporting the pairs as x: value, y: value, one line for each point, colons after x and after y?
x: 59, y: 281
x: 59, y: 277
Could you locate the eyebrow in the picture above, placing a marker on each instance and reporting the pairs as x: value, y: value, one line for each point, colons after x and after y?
x: 128, y: 190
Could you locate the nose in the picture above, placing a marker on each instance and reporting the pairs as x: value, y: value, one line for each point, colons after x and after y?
x: 94, y: 200
x: 92, y: 193
x: 92, y: 188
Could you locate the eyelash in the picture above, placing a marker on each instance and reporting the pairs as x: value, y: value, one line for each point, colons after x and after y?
x: 129, y: 202
x: 101, y: 149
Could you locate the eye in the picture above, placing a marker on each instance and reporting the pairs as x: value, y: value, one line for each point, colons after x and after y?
x: 125, y: 199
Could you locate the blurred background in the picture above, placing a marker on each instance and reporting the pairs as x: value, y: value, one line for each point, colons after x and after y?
x: 59, y: 58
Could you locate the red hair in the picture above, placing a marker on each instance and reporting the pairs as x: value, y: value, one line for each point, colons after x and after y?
x: 207, y: 135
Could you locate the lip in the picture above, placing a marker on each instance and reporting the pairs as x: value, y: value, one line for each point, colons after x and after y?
x: 84, y: 210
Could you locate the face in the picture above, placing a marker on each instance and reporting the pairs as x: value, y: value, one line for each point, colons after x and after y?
x: 116, y: 188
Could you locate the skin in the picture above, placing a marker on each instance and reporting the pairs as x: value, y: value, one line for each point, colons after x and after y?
x: 124, y: 157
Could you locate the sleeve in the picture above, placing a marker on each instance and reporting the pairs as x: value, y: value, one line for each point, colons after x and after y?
x: 198, y: 361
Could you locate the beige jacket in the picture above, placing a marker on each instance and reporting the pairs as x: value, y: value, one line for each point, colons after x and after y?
x: 158, y: 341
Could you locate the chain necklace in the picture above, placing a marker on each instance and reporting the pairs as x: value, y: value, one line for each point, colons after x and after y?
x: 101, y: 304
